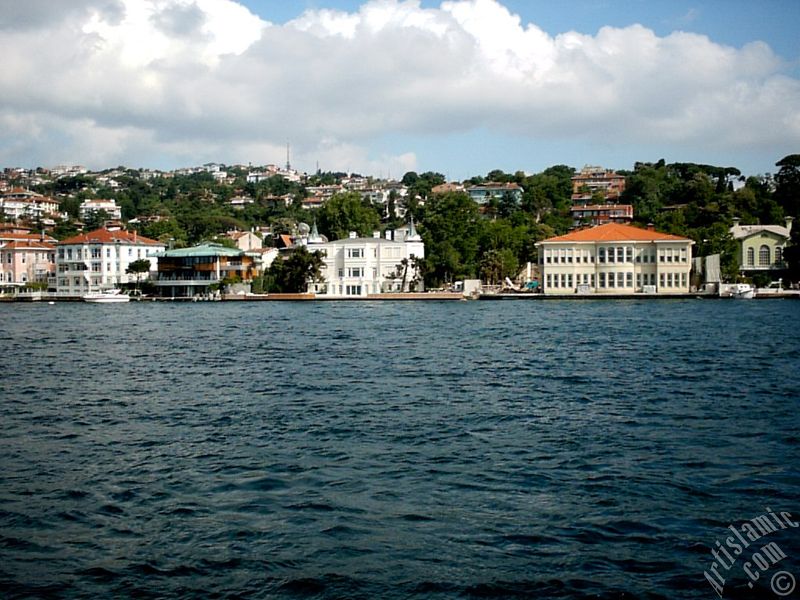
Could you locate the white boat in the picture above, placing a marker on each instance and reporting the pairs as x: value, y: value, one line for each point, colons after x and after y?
x: 107, y: 296
x: 743, y: 291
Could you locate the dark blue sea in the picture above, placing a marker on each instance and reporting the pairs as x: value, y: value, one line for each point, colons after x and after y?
x: 380, y: 450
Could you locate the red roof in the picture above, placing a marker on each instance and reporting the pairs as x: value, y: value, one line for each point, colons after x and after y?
x: 616, y: 232
x: 23, y: 237
x: 34, y: 244
x: 104, y: 236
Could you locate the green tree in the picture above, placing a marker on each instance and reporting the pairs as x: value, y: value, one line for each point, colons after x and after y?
x: 496, y: 265
x: 450, y: 227
x: 787, y: 180
x: 293, y: 274
x: 347, y: 212
x: 791, y: 255
x: 138, y: 267
x: 95, y: 219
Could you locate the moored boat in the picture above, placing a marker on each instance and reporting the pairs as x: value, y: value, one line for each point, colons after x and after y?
x: 743, y: 291
x: 108, y: 296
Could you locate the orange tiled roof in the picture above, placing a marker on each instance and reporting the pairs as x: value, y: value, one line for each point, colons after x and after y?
x: 22, y: 244
x: 615, y: 232
x: 104, y: 236
x: 25, y: 237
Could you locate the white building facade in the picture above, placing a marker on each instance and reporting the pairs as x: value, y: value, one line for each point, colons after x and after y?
x: 358, y: 267
x: 18, y: 204
x: 89, y: 207
x: 615, y: 259
x: 98, y: 260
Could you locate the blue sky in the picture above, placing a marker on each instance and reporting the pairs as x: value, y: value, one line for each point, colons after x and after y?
x: 728, y: 22
x: 385, y: 86
x: 733, y: 22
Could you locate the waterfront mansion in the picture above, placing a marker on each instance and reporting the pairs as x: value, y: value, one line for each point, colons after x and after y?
x: 99, y: 260
x: 615, y: 259
x: 361, y: 266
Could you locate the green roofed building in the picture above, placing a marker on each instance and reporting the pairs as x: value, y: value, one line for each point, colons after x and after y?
x: 200, y: 270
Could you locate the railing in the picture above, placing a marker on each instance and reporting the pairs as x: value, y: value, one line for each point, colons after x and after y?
x: 184, y: 279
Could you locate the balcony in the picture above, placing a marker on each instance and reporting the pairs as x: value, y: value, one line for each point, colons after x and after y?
x: 186, y: 279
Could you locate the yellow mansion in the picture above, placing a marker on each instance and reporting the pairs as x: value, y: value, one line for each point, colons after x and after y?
x: 615, y: 259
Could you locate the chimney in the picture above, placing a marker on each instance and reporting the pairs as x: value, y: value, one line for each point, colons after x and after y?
x: 736, y: 221
x: 651, y: 227
x: 789, y: 221
x: 353, y: 235
x: 376, y: 234
x: 135, y: 235
x: 388, y: 234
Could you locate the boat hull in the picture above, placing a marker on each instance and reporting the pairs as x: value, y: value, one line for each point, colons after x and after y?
x: 106, y: 298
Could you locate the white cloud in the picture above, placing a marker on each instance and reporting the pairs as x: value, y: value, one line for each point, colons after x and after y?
x: 118, y: 80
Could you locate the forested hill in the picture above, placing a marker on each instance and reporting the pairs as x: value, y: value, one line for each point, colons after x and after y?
x: 695, y: 200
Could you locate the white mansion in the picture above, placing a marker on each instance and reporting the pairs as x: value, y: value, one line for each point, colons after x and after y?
x: 369, y: 265
x: 98, y: 260
x: 615, y: 259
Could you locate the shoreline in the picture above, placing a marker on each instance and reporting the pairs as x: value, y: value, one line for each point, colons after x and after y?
x: 414, y: 297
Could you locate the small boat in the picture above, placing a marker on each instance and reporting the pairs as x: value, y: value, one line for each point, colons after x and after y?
x: 107, y: 296
x: 743, y: 291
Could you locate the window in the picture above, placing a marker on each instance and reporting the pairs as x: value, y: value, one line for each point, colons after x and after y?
x: 569, y: 280
x: 620, y: 254
x: 569, y: 255
x: 96, y: 252
x: 591, y: 279
x: 355, y: 253
x: 547, y: 258
x: 763, y: 256
x: 751, y: 257
x: 61, y: 253
x: 96, y: 267
x: 355, y: 272
x: 683, y: 255
x: 108, y: 252
x: 628, y: 279
x: 669, y: 279
x: 601, y: 280
x: 601, y: 255
x: 620, y: 279
x: 661, y: 279
x: 778, y: 255
x: 341, y: 272
x: 611, y: 255
x: 611, y: 280
x: 638, y: 280
x: 549, y: 280
x: 683, y: 279
x: 353, y: 290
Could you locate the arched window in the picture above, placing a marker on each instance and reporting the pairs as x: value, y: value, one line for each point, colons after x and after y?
x: 751, y: 257
x: 763, y: 256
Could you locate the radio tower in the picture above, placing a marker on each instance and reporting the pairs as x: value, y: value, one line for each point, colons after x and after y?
x: 288, y: 164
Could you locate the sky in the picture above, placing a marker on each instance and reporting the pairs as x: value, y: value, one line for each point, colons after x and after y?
x: 381, y: 87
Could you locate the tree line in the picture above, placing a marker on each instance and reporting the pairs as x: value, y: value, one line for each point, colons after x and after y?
x: 462, y: 240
